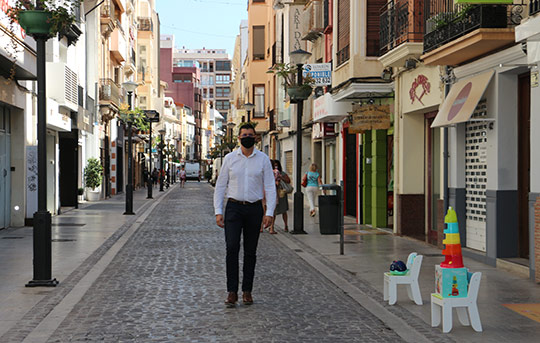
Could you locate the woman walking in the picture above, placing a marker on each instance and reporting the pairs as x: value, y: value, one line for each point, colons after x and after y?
x: 283, y: 202
x: 312, y: 187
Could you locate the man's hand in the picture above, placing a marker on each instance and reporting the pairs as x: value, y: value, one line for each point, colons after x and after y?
x: 267, y: 221
x: 219, y: 220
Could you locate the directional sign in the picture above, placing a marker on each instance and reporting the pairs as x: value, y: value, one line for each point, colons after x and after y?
x: 320, y: 72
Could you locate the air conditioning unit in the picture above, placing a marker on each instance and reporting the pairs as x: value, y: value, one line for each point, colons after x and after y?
x: 62, y: 85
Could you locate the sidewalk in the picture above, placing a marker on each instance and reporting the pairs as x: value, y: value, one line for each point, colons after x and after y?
x: 369, y: 252
x: 80, y: 237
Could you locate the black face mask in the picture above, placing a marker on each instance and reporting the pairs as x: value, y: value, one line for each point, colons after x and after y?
x: 247, y: 142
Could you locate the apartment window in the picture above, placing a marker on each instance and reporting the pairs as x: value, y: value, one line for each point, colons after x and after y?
x: 211, y: 67
x: 211, y: 80
x: 223, y: 92
x: 258, y: 42
x: 223, y: 65
x: 142, y: 102
x: 258, y: 1
x: 204, y: 93
x: 223, y: 105
x: 258, y: 97
x: 344, y: 28
x: 223, y: 79
x: 373, y: 26
x: 142, y: 56
x: 180, y: 78
x: 211, y: 92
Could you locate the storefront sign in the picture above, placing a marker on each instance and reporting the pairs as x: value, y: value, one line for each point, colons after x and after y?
x: 295, y: 28
x: 31, y: 180
x: 420, y: 87
x: 325, y: 109
x: 320, y: 72
x: 323, y: 130
x: 55, y: 119
x: 370, y: 117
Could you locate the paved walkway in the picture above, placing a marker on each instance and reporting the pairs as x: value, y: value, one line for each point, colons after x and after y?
x: 159, y: 276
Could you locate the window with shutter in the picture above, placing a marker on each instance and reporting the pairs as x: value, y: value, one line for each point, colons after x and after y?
x: 258, y: 42
x: 373, y: 25
x: 344, y: 30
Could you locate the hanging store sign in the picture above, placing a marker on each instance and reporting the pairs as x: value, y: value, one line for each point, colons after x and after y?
x: 370, y: 117
x: 320, y: 72
x: 423, y: 89
x: 323, y: 130
x: 295, y: 28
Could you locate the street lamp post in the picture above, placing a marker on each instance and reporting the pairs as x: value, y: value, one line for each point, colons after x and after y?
x: 161, y: 133
x: 152, y: 117
x: 298, y: 57
x: 42, y: 261
x: 249, y: 107
x: 130, y: 87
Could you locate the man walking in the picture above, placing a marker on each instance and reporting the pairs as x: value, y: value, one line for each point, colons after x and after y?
x: 246, y: 177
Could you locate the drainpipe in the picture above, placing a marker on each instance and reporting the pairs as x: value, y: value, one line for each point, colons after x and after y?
x: 445, y: 145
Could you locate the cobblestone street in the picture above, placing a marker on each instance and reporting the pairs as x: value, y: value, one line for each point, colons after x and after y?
x: 168, y: 284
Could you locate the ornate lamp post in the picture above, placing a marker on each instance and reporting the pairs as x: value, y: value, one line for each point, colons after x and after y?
x: 299, y: 57
x: 249, y: 107
x: 161, y: 145
x: 153, y: 117
x: 130, y: 87
x: 42, y: 218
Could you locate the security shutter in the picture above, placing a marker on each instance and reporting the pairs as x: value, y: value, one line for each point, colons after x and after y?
x: 373, y: 25
x: 344, y: 28
x: 258, y: 42
x: 476, y: 178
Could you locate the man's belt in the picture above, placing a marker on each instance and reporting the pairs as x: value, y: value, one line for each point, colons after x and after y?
x: 245, y: 202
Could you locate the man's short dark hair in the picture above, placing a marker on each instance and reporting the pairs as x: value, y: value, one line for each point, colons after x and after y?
x: 246, y: 126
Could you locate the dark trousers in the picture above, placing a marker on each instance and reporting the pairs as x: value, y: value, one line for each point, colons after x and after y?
x: 247, y: 219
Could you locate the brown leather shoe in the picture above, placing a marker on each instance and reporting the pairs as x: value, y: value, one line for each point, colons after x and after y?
x: 232, y: 298
x: 247, y: 299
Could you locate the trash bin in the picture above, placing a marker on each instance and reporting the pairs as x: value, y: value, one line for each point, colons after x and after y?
x: 328, y: 214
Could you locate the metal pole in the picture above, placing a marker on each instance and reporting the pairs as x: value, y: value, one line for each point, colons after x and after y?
x: 129, y: 186
x: 150, y: 181
x: 298, y: 195
x: 249, y: 115
x: 161, y: 164
x: 42, y: 218
x: 339, y: 194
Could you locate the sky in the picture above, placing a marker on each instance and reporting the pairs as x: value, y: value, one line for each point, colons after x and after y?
x: 212, y: 24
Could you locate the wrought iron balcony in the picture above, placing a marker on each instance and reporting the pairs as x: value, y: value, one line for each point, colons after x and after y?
x: 445, y: 27
x: 534, y: 7
x: 400, y: 23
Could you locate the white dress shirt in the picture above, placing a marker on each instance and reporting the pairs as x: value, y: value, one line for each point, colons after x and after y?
x: 246, y: 179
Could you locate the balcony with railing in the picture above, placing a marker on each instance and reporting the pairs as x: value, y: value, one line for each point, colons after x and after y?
x: 455, y: 35
x: 145, y: 24
x: 109, y: 93
x: 401, y: 32
x: 313, y: 20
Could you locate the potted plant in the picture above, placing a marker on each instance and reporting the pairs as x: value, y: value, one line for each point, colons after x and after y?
x: 80, y: 193
x: 136, y: 116
x: 44, y: 17
x: 289, y: 74
x: 92, y: 177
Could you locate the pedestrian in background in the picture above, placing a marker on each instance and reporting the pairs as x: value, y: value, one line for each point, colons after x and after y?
x: 183, y: 177
x: 312, y: 188
x: 155, y: 176
x: 246, y: 177
x: 283, y: 201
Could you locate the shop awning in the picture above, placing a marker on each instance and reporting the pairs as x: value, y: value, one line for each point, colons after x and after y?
x: 460, y: 103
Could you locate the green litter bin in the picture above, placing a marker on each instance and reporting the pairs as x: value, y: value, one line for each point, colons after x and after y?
x: 329, y: 214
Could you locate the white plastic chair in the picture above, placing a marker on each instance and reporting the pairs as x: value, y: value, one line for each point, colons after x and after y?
x: 414, y: 262
x: 466, y: 308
